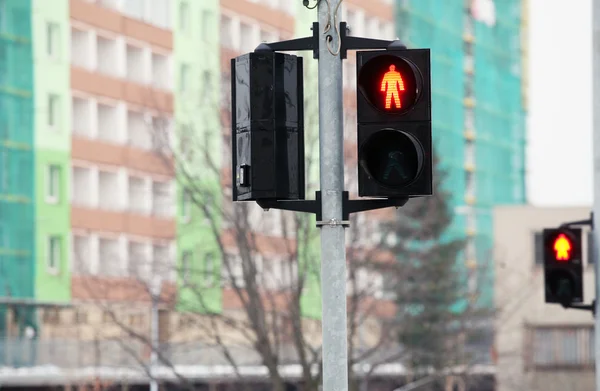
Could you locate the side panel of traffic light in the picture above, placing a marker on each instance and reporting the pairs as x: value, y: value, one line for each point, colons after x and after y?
x: 563, y: 265
x: 394, y: 123
x: 267, y: 127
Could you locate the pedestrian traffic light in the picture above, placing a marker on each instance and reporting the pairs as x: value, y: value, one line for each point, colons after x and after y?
x: 394, y: 123
x: 267, y: 127
x: 563, y: 270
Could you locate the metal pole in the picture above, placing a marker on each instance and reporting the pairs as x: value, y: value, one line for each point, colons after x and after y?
x: 596, y: 157
x: 154, y: 339
x: 333, y: 246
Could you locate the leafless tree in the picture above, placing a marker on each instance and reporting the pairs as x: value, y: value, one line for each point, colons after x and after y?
x: 268, y: 262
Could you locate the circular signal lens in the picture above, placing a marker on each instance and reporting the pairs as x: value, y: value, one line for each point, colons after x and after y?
x: 390, y: 83
x: 561, y: 284
x: 392, y: 158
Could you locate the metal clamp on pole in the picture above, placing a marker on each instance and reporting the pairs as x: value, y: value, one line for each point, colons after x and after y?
x: 334, y: 223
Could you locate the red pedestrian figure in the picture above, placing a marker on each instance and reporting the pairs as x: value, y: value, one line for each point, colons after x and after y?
x: 392, y: 84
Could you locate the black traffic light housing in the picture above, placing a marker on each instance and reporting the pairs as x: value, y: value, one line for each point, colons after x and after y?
x: 267, y: 121
x: 563, y: 265
x: 394, y: 123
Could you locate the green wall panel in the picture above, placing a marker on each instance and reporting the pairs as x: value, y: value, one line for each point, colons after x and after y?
x: 52, y: 285
x: 309, y: 258
x: 195, y: 31
x: 51, y: 69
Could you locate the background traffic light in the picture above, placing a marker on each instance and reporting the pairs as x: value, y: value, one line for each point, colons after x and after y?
x: 563, y: 269
x: 394, y: 123
x: 267, y: 120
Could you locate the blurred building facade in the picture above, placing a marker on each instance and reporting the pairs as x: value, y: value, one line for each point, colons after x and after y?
x: 478, y: 98
x: 83, y: 188
x: 90, y: 208
x: 538, y: 346
x: 88, y: 204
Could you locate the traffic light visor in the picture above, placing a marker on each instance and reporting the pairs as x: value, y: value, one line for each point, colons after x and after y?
x: 392, y: 158
x: 390, y: 83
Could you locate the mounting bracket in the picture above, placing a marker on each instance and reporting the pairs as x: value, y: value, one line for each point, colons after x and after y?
x: 348, y: 206
x: 584, y: 307
x: 359, y: 43
x: 314, y: 206
x: 348, y: 42
x: 294, y: 45
x: 589, y: 222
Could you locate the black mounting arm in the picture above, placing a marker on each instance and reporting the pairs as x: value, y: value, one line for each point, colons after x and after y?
x: 306, y: 206
x: 294, y: 45
x: 312, y: 43
x: 354, y: 206
x: 348, y: 206
x: 359, y: 43
x: 589, y: 222
x: 584, y: 307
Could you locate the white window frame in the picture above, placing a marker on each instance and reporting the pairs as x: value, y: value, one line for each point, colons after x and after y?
x: 205, y: 20
x: 184, y: 16
x: 184, y: 73
x: 53, y: 254
x: 53, y: 112
x: 53, y: 40
x: 53, y: 174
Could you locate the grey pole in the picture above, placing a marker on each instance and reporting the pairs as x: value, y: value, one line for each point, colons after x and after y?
x: 333, y: 247
x: 155, y: 289
x: 154, y: 341
x: 596, y: 157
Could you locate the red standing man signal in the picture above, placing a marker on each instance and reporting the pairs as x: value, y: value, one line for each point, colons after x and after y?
x: 562, y: 247
x: 392, y: 84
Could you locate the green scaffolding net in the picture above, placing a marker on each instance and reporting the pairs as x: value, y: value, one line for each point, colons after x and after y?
x: 499, y: 121
x: 437, y: 25
x: 16, y: 153
x: 498, y: 149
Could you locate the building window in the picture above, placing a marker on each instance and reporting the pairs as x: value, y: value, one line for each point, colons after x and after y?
x: 186, y: 266
x: 53, y: 111
x: 184, y: 16
x: 186, y: 205
x: 205, y: 23
x: 53, y: 255
x: 184, y: 77
x: 53, y: 183
x: 134, y: 8
x: 209, y: 269
x: 206, y: 86
x: 561, y: 347
x: 52, y: 40
x: 227, y: 33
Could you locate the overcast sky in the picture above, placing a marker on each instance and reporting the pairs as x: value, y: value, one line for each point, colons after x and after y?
x: 560, y: 117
